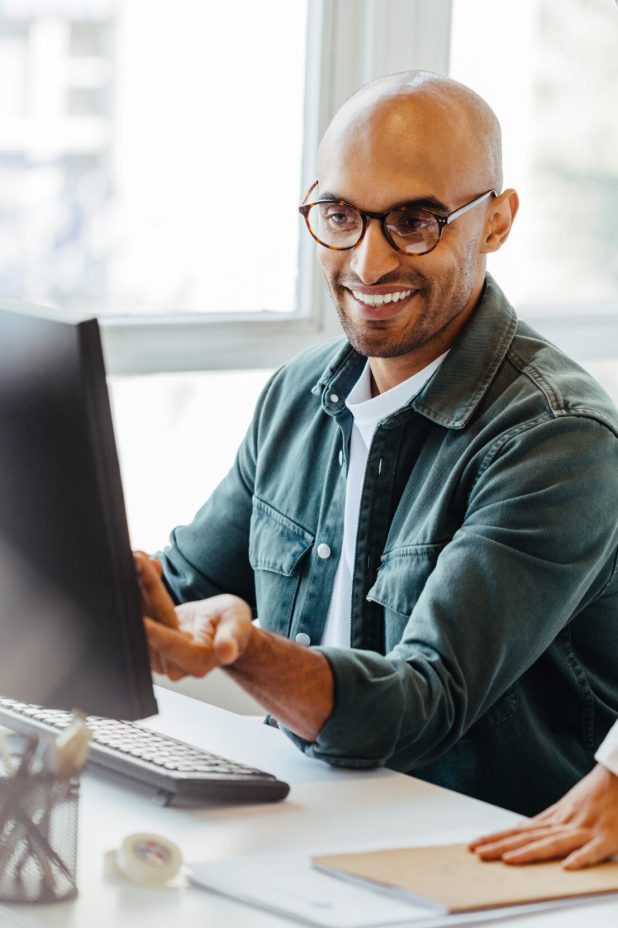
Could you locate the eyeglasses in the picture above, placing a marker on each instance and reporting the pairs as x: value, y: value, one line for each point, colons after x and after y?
x: 409, y: 229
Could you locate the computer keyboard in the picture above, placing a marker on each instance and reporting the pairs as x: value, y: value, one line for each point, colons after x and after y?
x: 177, y: 769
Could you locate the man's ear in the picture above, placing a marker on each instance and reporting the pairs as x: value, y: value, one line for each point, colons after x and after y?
x: 500, y: 217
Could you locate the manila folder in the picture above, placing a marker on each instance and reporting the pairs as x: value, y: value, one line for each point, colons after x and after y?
x: 452, y: 879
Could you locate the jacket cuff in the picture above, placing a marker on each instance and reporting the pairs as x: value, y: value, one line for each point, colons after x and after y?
x: 363, y: 727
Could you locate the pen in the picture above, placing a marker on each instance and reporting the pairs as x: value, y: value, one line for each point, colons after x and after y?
x: 5, y: 755
x: 13, y: 782
x: 67, y: 753
x: 17, y: 785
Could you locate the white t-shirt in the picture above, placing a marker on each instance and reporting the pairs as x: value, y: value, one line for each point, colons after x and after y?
x: 368, y: 412
x: 608, y: 750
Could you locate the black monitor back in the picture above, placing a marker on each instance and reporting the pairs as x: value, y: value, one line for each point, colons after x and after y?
x: 71, y: 633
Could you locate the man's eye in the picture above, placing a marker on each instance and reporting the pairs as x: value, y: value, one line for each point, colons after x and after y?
x: 410, y: 222
x: 342, y: 218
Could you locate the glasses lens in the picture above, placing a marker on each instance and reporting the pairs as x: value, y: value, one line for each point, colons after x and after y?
x: 413, y: 231
x: 335, y: 225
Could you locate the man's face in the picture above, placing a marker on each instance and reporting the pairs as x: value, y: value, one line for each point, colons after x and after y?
x: 382, y: 160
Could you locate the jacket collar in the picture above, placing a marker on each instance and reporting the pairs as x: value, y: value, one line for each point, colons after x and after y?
x: 453, y: 393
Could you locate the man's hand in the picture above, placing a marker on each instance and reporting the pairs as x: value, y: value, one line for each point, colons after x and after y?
x: 582, y: 826
x: 156, y: 601
x: 193, y: 638
x: 293, y: 683
x: 213, y: 633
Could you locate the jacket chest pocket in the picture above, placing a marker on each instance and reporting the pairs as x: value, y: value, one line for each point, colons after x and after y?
x: 277, y: 546
x: 400, y: 581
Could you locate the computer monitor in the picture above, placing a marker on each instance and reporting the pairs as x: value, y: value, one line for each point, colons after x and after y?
x: 71, y: 632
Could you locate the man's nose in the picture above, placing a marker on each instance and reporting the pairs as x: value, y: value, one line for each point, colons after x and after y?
x: 374, y: 256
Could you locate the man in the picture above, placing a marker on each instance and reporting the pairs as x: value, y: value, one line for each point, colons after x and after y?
x: 422, y: 515
x: 582, y: 827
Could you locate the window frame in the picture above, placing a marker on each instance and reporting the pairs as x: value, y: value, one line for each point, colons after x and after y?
x: 349, y: 42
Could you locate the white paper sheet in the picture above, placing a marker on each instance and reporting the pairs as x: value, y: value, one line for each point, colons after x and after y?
x: 14, y: 918
x: 289, y: 885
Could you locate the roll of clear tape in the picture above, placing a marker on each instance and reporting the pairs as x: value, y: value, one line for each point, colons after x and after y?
x: 144, y: 858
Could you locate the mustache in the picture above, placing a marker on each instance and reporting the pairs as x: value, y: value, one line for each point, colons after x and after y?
x: 418, y: 282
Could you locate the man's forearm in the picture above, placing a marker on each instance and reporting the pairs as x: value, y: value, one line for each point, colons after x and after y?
x: 293, y: 683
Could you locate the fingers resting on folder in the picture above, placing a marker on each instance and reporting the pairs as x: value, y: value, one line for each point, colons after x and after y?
x: 582, y: 827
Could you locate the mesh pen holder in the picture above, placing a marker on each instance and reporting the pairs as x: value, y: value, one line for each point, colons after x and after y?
x: 38, y: 837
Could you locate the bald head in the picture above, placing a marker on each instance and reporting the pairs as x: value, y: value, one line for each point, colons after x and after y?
x: 418, y: 156
x: 425, y: 115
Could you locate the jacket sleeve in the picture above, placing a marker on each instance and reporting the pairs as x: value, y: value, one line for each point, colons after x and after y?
x: 537, y: 545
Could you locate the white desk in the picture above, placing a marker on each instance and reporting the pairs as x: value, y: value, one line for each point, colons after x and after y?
x: 327, y: 809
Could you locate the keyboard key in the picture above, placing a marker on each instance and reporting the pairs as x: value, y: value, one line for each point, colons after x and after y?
x: 181, y: 771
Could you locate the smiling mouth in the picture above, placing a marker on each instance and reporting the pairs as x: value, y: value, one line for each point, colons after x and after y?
x: 379, y: 299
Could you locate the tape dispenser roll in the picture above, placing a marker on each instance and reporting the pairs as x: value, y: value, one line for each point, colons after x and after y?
x: 151, y: 860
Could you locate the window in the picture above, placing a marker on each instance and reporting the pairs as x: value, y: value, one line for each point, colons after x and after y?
x: 13, y: 84
x: 551, y: 83
x: 154, y: 143
x: 177, y: 436
x: 146, y: 181
x: 152, y: 156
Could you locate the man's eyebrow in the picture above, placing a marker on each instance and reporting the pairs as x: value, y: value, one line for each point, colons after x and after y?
x: 325, y: 195
x: 429, y: 202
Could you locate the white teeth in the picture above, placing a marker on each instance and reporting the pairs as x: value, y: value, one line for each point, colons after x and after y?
x: 377, y: 299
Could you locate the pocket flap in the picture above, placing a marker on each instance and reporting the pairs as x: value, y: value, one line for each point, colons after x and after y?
x: 402, y: 576
x: 276, y: 542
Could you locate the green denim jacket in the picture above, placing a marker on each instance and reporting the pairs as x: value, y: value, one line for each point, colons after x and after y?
x: 484, y: 652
